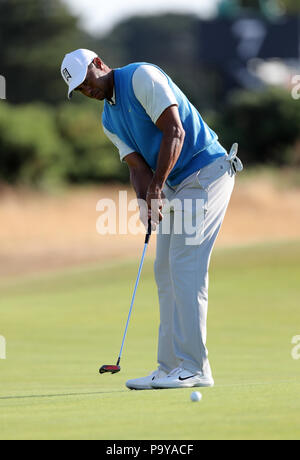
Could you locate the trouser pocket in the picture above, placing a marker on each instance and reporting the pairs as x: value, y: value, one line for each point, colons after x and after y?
x: 206, y: 176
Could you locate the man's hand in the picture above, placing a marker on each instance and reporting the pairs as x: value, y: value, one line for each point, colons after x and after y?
x: 146, y: 188
x: 154, y: 198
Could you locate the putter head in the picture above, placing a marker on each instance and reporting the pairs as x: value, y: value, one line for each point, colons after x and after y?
x: 112, y: 368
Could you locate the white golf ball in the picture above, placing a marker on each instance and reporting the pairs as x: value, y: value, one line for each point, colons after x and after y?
x: 196, y: 396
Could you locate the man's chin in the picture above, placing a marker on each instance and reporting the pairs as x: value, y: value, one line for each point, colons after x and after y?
x: 95, y: 98
x: 98, y: 98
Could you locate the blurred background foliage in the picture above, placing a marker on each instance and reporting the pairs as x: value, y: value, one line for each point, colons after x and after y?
x: 44, y: 139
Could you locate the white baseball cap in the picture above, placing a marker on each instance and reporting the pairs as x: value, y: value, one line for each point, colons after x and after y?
x: 75, y: 66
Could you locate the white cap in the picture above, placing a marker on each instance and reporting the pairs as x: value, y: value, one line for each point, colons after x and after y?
x: 75, y: 66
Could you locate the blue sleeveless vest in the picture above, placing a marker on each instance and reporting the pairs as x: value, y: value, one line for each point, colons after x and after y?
x: 130, y: 122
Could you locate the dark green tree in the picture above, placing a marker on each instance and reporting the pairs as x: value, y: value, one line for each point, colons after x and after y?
x: 170, y: 41
x: 270, y: 8
x: 34, y: 36
x: 292, y: 6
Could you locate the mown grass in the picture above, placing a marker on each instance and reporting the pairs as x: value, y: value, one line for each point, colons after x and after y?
x: 61, y: 327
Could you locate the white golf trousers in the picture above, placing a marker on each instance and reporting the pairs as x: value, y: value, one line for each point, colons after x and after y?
x: 181, y: 268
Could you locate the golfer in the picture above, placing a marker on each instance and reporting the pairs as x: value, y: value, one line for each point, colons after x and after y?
x: 173, y: 157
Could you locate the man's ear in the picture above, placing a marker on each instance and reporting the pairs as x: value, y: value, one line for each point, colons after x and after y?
x: 98, y: 63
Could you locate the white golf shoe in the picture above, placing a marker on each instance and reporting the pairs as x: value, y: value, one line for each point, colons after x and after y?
x: 145, y: 383
x: 181, y: 378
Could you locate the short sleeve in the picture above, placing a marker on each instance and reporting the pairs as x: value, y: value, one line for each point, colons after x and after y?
x: 152, y: 90
x: 123, y: 148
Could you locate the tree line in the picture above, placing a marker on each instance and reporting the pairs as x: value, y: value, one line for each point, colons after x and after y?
x: 44, y: 139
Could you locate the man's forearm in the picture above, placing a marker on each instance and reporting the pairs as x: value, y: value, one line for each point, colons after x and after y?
x: 140, y: 180
x: 170, y: 150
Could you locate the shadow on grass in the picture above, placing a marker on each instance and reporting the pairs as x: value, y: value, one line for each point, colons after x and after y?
x: 3, y: 398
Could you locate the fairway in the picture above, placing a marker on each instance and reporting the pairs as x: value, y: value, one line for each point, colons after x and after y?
x: 61, y: 327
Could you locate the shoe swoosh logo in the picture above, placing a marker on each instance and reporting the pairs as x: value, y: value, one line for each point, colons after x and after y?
x: 185, y: 378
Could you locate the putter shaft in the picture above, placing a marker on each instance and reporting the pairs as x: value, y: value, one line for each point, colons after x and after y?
x: 133, y: 298
x: 111, y: 368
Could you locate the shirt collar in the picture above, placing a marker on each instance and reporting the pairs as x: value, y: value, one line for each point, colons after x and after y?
x: 113, y: 99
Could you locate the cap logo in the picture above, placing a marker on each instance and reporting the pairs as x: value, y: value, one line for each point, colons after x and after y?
x: 66, y: 74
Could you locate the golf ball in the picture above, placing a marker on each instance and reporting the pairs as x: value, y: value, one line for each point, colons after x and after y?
x: 196, y: 396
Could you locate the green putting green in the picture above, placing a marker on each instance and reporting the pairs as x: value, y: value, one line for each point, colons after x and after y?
x: 61, y: 327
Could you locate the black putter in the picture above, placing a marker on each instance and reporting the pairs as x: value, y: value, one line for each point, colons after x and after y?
x: 113, y: 369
